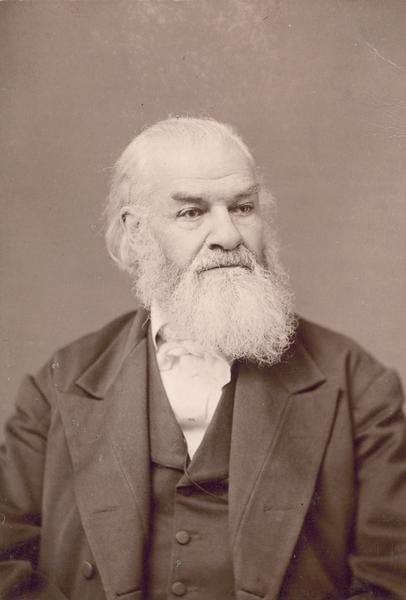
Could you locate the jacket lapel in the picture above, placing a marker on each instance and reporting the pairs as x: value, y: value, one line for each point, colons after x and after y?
x: 107, y: 436
x: 282, y: 419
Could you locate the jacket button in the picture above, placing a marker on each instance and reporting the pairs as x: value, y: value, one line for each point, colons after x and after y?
x: 182, y: 537
x: 178, y: 588
x: 88, y: 570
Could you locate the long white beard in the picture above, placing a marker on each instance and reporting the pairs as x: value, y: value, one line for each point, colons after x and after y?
x: 224, y: 300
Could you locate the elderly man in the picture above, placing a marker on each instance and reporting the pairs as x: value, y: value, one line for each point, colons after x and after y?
x: 211, y: 444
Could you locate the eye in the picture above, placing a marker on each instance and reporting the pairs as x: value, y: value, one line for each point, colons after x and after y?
x: 190, y: 214
x: 243, y: 209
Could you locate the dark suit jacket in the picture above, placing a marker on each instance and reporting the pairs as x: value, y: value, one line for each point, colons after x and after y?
x: 317, y: 498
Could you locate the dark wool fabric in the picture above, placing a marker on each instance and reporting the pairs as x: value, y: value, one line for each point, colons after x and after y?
x: 189, y: 551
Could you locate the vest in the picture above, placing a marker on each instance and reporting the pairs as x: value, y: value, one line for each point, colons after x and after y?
x: 188, y: 552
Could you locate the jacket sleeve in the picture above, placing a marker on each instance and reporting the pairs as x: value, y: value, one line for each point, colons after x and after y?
x: 22, y: 462
x: 378, y: 554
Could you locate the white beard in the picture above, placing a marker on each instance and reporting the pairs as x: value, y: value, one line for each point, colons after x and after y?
x: 224, y: 300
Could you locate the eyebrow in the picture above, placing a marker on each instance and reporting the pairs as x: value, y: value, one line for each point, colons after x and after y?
x: 184, y: 197
x: 248, y: 192
x: 187, y: 197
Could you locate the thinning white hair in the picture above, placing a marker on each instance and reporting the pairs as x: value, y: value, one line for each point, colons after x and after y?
x: 129, y: 187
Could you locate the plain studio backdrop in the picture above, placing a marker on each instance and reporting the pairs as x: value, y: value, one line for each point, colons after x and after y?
x: 318, y: 90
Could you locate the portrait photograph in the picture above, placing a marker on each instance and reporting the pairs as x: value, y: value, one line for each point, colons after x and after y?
x: 203, y: 287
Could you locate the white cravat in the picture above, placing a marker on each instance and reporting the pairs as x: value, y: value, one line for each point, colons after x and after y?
x: 193, y: 380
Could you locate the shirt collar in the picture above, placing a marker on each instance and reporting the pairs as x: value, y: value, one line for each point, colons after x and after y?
x: 158, y: 321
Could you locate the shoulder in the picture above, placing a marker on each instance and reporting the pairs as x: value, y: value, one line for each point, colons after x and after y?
x: 370, y: 387
x: 339, y: 357
x: 109, y: 343
x: 82, y: 352
x: 326, y: 343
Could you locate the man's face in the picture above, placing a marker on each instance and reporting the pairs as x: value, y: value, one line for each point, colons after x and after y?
x: 203, y: 252
x: 204, y: 196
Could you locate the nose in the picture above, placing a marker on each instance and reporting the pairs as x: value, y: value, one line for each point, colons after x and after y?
x: 223, y: 233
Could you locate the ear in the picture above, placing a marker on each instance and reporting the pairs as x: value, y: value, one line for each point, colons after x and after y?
x: 128, y: 220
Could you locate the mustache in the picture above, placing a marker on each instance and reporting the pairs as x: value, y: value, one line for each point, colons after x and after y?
x: 218, y: 259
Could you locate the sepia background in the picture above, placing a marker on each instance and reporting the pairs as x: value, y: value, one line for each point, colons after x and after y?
x: 317, y: 88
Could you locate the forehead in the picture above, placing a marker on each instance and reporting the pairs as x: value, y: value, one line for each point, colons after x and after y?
x: 204, y: 166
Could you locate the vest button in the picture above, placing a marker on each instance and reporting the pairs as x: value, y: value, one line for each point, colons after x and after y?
x: 178, y: 588
x: 88, y: 570
x: 182, y: 537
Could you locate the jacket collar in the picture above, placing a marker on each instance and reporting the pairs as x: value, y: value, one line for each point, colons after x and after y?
x: 297, y: 371
x: 97, y: 379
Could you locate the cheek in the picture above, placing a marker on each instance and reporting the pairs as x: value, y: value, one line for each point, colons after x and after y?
x: 179, y: 249
x: 253, y: 236
x: 161, y: 231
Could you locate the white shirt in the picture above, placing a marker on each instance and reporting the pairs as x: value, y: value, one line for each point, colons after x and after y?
x: 193, y: 380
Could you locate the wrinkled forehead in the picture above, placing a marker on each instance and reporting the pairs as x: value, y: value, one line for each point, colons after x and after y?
x: 198, y: 160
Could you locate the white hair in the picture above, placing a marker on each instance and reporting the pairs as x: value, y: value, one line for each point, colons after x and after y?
x: 129, y: 187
